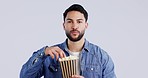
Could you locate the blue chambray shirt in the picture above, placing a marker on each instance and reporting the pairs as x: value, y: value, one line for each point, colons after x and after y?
x: 94, y: 63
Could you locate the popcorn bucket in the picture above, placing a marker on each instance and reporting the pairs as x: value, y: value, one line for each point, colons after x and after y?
x: 68, y: 66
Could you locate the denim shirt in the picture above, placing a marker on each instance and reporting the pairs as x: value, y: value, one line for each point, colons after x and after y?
x: 94, y: 63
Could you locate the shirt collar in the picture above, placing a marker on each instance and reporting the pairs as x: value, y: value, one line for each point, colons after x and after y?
x: 86, y: 45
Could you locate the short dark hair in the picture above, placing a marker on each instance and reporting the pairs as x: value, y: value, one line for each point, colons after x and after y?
x: 76, y: 7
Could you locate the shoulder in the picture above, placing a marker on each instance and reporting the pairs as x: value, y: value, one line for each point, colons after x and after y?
x: 61, y: 45
x: 94, y: 48
x: 97, y: 50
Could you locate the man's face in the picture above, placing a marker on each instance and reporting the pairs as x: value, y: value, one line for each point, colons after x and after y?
x: 75, y: 25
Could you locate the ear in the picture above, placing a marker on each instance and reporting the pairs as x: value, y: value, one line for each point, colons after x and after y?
x: 86, y: 25
x: 63, y: 25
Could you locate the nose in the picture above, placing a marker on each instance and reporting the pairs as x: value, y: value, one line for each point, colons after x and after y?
x: 74, y: 25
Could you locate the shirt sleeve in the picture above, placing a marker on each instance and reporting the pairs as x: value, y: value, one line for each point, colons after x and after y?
x: 108, y: 66
x: 33, y: 68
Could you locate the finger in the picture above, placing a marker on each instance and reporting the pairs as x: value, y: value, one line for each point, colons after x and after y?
x: 51, y: 54
x: 60, y: 51
x: 56, y: 54
x: 81, y: 77
x: 74, y: 76
x: 77, y: 76
x: 62, y: 54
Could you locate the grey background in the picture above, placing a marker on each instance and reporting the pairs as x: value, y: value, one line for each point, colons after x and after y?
x: 118, y: 26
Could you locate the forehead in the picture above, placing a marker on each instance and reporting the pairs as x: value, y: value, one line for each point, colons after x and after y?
x: 74, y: 15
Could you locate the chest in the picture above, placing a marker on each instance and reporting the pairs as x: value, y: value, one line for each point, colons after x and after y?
x: 90, y: 65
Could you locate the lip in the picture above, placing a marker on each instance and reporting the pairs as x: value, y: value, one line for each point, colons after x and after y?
x: 74, y: 32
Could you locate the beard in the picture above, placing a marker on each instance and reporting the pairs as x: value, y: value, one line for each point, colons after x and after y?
x: 81, y: 34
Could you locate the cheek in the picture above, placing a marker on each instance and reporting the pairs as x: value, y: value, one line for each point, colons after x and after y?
x: 82, y: 28
x: 66, y: 25
x: 66, y: 29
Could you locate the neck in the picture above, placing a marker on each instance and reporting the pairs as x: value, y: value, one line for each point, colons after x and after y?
x: 76, y: 46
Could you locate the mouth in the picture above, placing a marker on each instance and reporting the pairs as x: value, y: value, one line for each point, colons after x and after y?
x: 74, y: 32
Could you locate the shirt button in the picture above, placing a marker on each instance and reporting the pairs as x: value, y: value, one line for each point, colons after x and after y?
x: 91, y: 69
x: 40, y: 54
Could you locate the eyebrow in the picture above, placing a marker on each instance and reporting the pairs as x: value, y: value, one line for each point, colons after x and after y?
x: 71, y: 19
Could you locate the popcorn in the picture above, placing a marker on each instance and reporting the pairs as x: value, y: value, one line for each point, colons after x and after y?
x: 68, y: 58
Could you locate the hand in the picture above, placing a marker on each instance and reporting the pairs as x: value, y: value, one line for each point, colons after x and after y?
x: 55, y: 50
x: 77, y: 76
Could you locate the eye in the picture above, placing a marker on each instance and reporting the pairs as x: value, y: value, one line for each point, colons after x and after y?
x: 79, y: 21
x: 69, y: 21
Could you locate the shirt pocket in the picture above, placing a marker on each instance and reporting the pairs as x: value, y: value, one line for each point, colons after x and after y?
x: 92, y: 71
x: 55, y: 70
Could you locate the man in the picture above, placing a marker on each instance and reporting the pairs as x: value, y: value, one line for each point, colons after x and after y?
x: 93, y: 61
